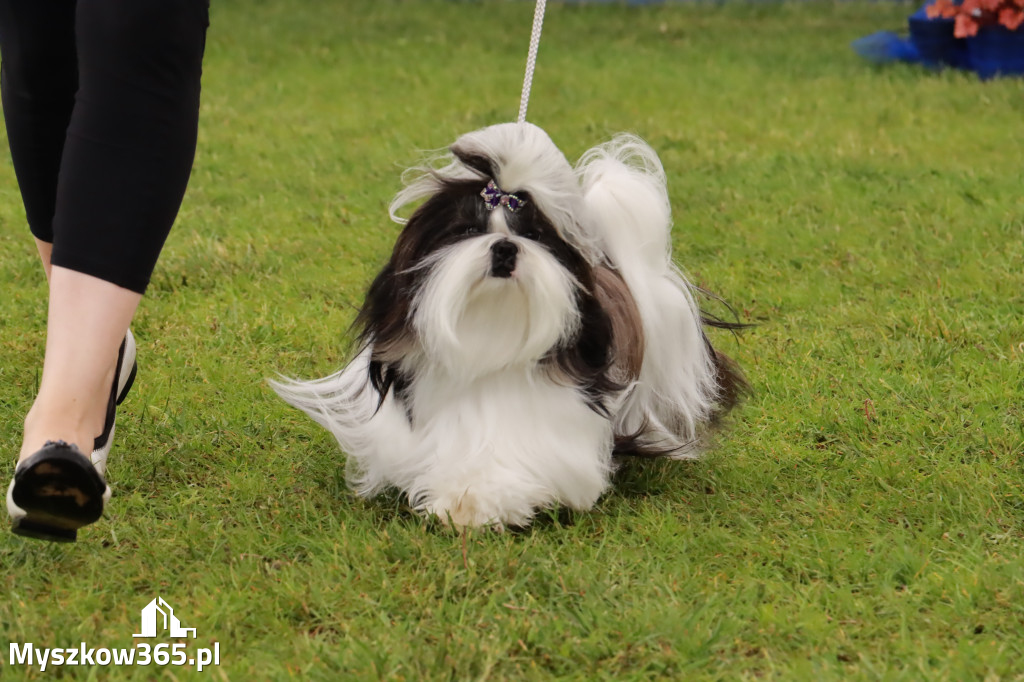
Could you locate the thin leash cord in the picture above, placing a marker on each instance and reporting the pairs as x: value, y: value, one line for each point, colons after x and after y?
x: 531, y: 58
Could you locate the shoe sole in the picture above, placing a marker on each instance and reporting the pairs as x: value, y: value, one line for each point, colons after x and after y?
x: 38, y: 530
x: 58, y: 491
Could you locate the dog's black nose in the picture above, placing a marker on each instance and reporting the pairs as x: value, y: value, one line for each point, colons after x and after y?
x: 503, y: 258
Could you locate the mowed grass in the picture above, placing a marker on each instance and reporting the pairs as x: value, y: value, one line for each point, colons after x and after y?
x: 859, y: 518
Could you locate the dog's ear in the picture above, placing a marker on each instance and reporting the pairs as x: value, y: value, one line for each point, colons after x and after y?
x: 617, y: 301
x: 383, y: 324
x: 383, y: 321
x: 606, y: 353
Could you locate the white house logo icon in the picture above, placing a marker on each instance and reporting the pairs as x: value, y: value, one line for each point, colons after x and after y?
x: 171, y: 622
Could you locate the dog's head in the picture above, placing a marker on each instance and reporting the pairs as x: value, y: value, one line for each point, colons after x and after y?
x: 494, y: 269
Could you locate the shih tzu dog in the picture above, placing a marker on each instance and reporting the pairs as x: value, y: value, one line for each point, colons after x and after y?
x: 529, y: 327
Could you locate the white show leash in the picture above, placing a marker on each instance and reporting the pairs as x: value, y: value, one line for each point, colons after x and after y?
x: 531, y: 58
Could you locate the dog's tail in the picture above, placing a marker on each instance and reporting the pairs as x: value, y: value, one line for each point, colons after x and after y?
x: 346, y: 404
x: 626, y: 205
x: 341, y: 402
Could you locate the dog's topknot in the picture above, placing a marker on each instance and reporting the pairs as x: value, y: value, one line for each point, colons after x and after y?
x: 519, y: 157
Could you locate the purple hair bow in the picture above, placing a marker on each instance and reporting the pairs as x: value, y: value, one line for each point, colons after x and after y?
x: 494, y: 197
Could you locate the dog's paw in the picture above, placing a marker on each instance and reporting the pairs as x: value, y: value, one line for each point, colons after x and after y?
x: 470, y: 508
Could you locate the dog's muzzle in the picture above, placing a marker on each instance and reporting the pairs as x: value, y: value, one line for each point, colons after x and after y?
x: 503, y: 258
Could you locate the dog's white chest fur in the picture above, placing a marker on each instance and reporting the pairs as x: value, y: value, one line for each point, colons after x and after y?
x: 495, y: 449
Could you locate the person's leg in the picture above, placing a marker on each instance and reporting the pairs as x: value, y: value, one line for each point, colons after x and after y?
x: 132, y: 136
x: 127, y: 158
x: 45, y: 250
x: 125, y: 165
x: 88, y: 318
x: 38, y: 80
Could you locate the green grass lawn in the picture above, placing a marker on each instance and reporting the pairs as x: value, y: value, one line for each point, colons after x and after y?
x: 862, y: 516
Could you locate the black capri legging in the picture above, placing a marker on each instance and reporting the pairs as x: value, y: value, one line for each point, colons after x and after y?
x: 101, y: 100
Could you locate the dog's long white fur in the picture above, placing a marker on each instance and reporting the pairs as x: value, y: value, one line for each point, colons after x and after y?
x: 493, y: 437
x: 627, y: 209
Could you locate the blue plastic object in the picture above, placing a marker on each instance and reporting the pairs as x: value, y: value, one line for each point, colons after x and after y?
x: 884, y: 47
x: 997, y: 51
x: 935, y: 42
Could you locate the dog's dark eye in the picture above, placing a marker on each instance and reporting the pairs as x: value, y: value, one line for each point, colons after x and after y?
x: 469, y: 228
x: 530, y: 232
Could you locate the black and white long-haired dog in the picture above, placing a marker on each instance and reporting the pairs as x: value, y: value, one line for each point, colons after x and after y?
x: 529, y: 327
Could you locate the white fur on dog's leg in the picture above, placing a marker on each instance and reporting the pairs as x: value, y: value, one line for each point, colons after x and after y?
x: 465, y: 510
x: 505, y: 498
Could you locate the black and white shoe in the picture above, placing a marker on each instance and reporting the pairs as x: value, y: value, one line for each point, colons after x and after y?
x: 57, y: 490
